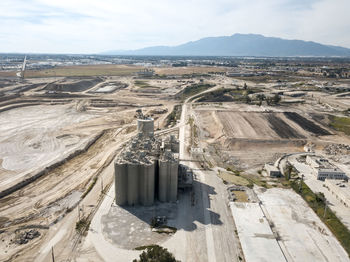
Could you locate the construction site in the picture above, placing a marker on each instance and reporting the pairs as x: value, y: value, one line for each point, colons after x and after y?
x: 99, y: 160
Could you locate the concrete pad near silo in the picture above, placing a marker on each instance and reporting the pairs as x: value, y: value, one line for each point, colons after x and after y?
x: 257, y: 239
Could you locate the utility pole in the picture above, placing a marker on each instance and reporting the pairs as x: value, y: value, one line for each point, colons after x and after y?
x: 301, y: 183
x: 325, y: 208
x: 101, y: 185
x: 52, y: 254
x: 23, y: 67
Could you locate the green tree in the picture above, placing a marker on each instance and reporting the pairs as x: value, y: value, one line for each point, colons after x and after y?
x: 276, y: 99
x: 288, y: 171
x: 320, y: 197
x: 268, y: 100
x: 246, y: 99
x: 156, y: 253
x: 261, y: 98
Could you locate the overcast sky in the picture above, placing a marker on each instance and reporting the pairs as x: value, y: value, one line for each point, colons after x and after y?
x: 93, y: 26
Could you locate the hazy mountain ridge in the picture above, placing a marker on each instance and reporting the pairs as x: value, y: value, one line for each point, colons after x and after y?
x: 241, y: 45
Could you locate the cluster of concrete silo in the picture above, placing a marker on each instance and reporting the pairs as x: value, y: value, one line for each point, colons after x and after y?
x: 147, y: 169
x: 134, y: 183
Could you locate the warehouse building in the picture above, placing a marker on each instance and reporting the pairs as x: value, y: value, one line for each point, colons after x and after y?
x: 323, y: 169
x: 147, y: 169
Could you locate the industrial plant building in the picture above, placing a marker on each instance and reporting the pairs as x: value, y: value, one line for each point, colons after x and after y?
x: 148, y: 168
x: 272, y: 171
x: 323, y: 169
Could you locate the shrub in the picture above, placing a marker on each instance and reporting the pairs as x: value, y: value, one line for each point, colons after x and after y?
x: 156, y: 253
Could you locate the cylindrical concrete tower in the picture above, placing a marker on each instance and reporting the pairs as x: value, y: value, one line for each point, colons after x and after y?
x: 142, y: 183
x: 145, y: 126
x: 168, y: 180
x: 121, y: 183
x: 146, y: 186
x: 133, y: 184
x: 173, y: 179
x: 163, y: 180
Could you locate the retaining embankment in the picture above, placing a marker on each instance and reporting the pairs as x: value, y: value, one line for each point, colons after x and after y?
x: 49, y: 168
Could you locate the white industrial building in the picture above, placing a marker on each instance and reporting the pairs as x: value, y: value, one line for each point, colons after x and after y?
x: 340, y: 189
x: 323, y: 169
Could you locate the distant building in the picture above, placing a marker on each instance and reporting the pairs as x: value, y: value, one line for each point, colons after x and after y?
x: 145, y: 73
x: 272, y: 171
x: 323, y: 169
x: 340, y: 189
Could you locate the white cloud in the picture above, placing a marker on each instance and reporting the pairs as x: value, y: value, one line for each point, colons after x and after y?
x: 83, y: 26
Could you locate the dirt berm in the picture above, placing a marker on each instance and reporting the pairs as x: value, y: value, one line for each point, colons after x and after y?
x: 73, y: 85
x: 45, y: 170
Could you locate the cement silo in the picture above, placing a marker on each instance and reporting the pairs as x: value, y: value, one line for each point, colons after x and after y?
x: 121, y: 183
x: 173, y: 180
x: 163, y: 180
x: 133, y: 183
x: 145, y: 126
x: 168, y: 179
x: 146, y: 184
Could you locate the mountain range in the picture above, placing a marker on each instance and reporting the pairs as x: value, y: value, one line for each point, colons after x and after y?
x: 241, y: 45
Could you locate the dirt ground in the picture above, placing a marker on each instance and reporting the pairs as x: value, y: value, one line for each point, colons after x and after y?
x: 187, y: 70
x: 41, y: 129
x: 42, y: 126
x: 39, y: 134
x: 237, y: 133
x: 88, y: 70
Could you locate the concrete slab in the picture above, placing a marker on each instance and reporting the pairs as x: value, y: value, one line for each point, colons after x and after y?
x: 129, y: 227
x: 257, y: 239
x: 302, y: 233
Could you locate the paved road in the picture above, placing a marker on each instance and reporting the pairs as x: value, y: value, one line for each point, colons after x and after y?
x: 220, y: 240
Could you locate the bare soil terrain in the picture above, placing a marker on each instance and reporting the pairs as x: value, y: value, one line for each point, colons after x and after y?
x: 54, y: 146
x: 188, y: 70
x: 62, y: 127
x: 85, y: 70
x: 32, y: 137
